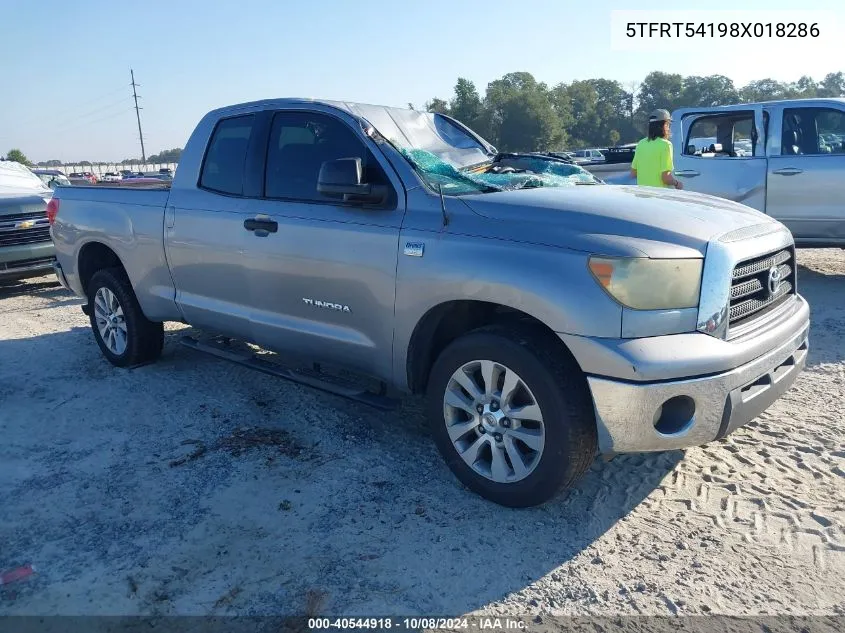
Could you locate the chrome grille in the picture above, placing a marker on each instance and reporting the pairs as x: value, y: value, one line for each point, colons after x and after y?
x: 751, y: 295
x: 24, y: 228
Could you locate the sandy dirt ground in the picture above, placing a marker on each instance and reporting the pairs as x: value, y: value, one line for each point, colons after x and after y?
x: 194, y: 486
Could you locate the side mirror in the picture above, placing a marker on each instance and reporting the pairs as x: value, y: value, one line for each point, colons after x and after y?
x: 342, y: 178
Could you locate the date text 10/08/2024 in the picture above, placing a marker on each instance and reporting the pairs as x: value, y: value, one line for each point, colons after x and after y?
x: 417, y: 623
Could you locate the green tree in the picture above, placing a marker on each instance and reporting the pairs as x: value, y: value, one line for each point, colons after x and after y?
x: 833, y: 85
x: 167, y: 156
x: 529, y: 122
x: 806, y: 88
x: 612, y: 111
x: 709, y: 91
x: 585, y: 120
x: 763, y: 90
x: 518, y: 102
x: 659, y: 90
x: 437, y: 105
x: 466, y: 105
x: 18, y: 156
x: 562, y: 106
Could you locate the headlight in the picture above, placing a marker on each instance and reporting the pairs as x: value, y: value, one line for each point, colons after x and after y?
x: 649, y: 284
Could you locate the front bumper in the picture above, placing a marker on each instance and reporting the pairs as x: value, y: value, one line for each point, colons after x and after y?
x: 26, y: 260
x: 697, y: 410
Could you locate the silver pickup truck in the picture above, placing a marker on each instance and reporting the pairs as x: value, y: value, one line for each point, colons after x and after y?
x: 546, y: 316
x: 785, y: 158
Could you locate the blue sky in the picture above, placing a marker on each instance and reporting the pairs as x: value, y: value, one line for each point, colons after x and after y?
x: 65, y: 68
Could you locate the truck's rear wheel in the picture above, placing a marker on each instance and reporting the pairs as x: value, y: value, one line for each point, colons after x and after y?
x: 125, y: 336
x: 511, y: 415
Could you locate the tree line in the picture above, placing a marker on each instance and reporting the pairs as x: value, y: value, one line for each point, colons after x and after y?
x: 518, y: 113
x: 166, y: 156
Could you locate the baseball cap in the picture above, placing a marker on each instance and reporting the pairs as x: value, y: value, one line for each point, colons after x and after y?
x: 660, y: 115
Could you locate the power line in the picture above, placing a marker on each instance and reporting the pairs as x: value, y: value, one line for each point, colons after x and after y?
x: 37, y: 116
x: 138, y: 115
x: 101, y: 108
x: 72, y: 128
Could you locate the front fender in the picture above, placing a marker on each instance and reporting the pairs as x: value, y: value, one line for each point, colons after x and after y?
x: 553, y: 285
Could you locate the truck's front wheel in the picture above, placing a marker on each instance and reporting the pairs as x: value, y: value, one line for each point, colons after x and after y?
x: 511, y: 415
x: 125, y: 336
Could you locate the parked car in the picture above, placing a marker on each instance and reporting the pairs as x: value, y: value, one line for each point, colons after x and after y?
x: 784, y: 158
x: 26, y: 249
x: 588, y: 156
x: 112, y: 176
x: 80, y: 176
x: 52, y: 177
x: 547, y: 317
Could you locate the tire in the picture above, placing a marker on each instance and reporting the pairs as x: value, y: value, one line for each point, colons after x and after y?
x: 144, y: 339
x: 553, y: 381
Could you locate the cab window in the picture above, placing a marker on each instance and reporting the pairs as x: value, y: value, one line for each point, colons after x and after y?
x: 813, y: 131
x: 731, y: 135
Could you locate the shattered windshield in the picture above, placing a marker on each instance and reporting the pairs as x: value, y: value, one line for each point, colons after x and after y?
x: 503, y: 175
x: 448, y: 155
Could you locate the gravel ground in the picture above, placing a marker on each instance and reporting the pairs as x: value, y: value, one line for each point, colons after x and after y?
x: 193, y: 486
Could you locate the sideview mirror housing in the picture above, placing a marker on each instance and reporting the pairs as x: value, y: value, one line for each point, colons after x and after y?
x: 342, y: 178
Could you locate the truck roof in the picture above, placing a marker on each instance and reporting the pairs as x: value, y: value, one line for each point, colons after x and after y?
x: 744, y: 106
x: 412, y: 128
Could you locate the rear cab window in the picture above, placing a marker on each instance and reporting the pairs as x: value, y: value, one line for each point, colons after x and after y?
x: 225, y: 156
x: 732, y: 135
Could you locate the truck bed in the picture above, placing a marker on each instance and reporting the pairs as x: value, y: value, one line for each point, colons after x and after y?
x: 152, y: 195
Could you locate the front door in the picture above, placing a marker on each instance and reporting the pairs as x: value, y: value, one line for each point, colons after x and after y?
x: 321, y: 272
x: 806, y: 178
x: 723, y: 155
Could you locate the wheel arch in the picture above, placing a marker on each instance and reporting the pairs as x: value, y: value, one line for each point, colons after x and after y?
x: 94, y: 256
x: 445, y: 322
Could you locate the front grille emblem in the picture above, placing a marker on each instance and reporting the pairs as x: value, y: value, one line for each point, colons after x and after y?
x: 774, y: 280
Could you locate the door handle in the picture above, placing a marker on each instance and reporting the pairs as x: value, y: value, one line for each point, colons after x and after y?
x: 687, y: 173
x: 787, y: 171
x: 261, y: 224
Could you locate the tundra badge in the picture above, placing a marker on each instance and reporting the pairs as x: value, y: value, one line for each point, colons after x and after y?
x: 414, y: 249
x: 326, y: 304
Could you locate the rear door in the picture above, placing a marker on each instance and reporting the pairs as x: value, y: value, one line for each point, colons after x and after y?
x: 806, y: 177
x: 322, y: 273
x: 204, y: 233
x: 723, y: 154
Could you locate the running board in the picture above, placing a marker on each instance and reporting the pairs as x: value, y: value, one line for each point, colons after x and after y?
x: 253, y: 362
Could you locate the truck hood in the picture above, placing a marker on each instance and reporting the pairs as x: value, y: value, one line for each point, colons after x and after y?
x: 615, y: 220
x: 28, y: 202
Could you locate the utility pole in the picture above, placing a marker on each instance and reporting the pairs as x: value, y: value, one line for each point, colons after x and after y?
x: 138, y: 116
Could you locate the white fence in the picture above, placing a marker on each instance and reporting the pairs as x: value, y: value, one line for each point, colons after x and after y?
x: 102, y: 168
